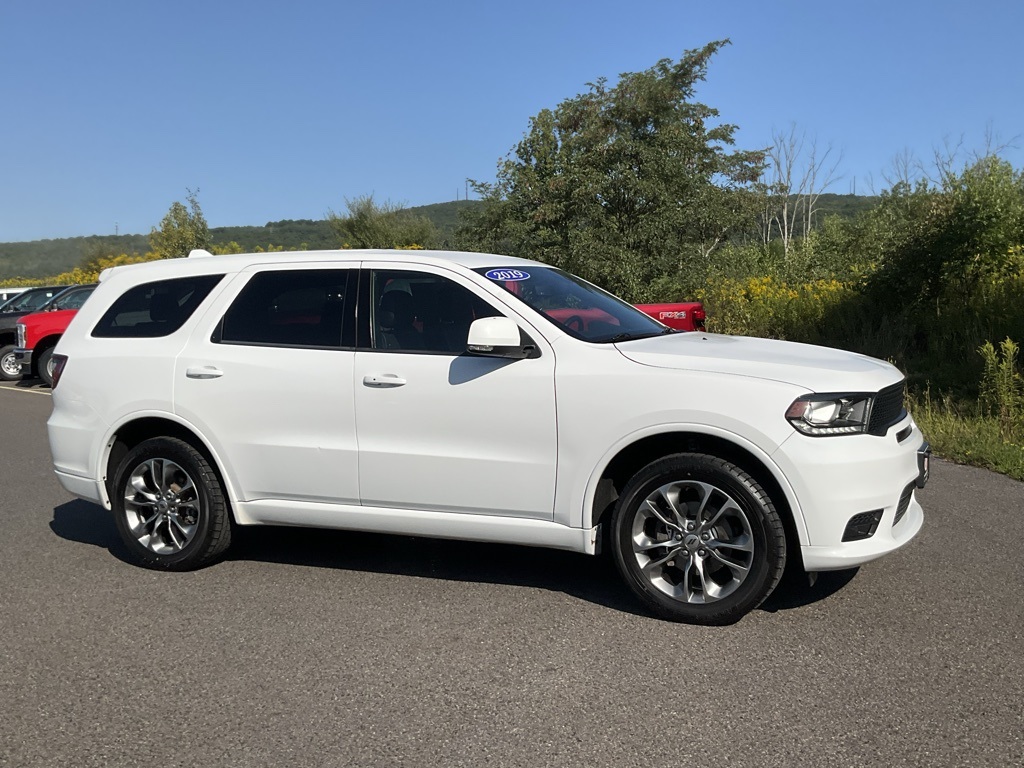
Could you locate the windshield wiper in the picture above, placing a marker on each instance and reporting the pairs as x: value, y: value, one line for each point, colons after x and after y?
x: 634, y: 336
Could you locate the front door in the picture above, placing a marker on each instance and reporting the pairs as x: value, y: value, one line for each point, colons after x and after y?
x: 439, y: 429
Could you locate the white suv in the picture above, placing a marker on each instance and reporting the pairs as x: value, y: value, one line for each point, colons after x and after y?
x: 477, y: 397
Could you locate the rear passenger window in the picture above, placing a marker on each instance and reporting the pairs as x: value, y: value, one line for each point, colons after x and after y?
x: 288, y: 308
x: 155, y: 309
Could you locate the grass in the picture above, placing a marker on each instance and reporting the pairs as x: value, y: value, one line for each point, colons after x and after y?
x: 958, y: 434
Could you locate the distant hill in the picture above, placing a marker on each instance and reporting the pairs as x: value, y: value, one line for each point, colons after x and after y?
x: 291, y: 233
x: 42, y: 258
x: 846, y: 206
x: 317, y: 234
x: 445, y: 215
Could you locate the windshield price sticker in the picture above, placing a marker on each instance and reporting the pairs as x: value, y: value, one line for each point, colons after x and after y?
x: 507, y: 275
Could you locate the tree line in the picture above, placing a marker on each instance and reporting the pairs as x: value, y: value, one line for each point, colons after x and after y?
x: 640, y: 188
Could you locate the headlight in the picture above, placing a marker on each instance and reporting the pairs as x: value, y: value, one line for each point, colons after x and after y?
x: 821, y: 415
x: 21, y: 335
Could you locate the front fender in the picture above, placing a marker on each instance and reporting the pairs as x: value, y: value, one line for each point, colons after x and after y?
x: 586, y: 513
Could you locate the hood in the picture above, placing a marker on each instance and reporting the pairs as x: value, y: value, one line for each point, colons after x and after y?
x: 10, y: 319
x: 52, y: 316
x: 817, y: 369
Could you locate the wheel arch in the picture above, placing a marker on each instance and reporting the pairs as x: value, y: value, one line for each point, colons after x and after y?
x: 624, y: 461
x: 45, y: 343
x: 48, y: 342
x: 143, y: 427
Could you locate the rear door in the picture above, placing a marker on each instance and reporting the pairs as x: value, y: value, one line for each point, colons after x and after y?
x: 269, y: 381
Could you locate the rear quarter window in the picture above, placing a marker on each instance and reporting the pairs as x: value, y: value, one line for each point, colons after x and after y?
x: 155, y: 309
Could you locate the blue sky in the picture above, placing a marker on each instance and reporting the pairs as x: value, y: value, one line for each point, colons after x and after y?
x: 111, y: 110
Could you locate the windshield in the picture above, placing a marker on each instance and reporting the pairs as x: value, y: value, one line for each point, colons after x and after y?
x: 30, y: 300
x: 73, y: 299
x: 578, y: 307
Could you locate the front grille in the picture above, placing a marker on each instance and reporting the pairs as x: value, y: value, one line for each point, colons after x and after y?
x: 901, y: 508
x: 862, y: 526
x: 887, y: 410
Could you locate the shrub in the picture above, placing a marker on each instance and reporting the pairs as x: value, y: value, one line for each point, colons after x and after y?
x: 772, y: 308
x: 1001, y: 392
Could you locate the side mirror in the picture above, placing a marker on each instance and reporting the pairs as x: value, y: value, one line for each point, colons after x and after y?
x: 500, y: 337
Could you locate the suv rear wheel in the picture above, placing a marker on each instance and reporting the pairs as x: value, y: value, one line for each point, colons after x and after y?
x: 698, y: 539
x: 169, y: 506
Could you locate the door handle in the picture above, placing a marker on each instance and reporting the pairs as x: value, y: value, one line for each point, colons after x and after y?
x: 206, y: 372
x: 384, y: 380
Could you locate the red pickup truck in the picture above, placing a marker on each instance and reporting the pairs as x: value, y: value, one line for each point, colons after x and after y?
x: 39, y: 333
x: 683, y: 316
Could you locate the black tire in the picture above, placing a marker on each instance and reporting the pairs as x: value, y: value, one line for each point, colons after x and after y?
x: 680, y: 565
x: 187, y: 523
x: 44, y: 366
x: 7, y: 364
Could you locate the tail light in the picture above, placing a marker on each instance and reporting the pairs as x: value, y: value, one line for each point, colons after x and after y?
x: 699, y: 316
x: 59, y: 361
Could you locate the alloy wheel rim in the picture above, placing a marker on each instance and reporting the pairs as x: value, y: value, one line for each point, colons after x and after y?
x: 692, y: 541
x: 161, y: 506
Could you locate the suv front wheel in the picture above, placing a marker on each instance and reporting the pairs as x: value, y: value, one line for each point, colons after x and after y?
x: 169, y: 506
x: 698, y: 539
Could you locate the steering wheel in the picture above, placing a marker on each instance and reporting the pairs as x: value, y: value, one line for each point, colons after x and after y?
x: 574, y: 322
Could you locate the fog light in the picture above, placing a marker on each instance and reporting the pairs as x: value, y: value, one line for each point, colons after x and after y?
x: 862, y: 526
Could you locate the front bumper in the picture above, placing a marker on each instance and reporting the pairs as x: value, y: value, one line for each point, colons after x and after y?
x: 850, y: 554
x: 23, y: 357
x: 842, y: 479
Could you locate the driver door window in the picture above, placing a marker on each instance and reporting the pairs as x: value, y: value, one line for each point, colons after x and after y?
x: 421, y: 312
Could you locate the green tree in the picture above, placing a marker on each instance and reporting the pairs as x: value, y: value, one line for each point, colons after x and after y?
x: 369, y: 224
x: 940, y: 263
x: 182, y: 230
x: 622, y: 184
x: 941, y: 243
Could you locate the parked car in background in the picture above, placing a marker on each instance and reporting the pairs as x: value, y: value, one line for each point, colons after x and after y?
x: 32, y: 299
x: 6, y: 294
x: 477, y: 397
x: 38, y: 333
x: 14, y: 309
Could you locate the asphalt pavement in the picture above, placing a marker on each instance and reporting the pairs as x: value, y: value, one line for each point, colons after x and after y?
x: 318, y: 648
